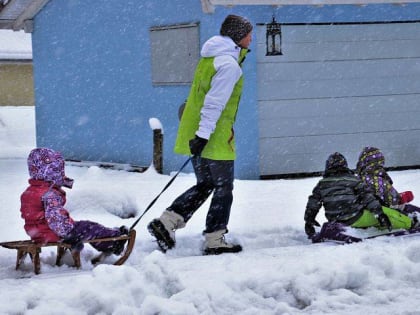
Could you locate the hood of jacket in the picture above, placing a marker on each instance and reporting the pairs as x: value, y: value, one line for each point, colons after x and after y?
x: 220, y: 46
x: 45, y: 164
x: 370, y: 158
x: 336, y: 164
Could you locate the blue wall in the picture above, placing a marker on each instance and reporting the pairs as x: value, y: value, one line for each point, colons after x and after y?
x: 92, y: 70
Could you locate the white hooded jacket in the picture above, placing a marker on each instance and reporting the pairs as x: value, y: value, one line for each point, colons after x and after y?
x: 228, y: 72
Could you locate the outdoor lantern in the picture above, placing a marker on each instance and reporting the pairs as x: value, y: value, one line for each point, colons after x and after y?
x: 273, y: 38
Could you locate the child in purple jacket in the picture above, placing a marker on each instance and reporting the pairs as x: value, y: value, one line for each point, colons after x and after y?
x: 42, y: 207
x: 371, y: 169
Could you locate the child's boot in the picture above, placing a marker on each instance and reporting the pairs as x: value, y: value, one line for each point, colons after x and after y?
x: 118, y: 246
x: 415, y: 224
x: 216, y: 244
x: 163, y: 229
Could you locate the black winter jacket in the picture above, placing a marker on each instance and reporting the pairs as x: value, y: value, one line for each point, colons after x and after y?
x: 344, y: 197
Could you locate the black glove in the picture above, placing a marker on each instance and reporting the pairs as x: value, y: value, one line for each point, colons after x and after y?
x: 310, y: 227
x: 384, y: 221
x: 197, y: 145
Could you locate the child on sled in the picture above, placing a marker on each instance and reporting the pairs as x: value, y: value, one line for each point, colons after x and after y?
x: 370, y: 168
x: 347, y: 202
x: 42, y: 207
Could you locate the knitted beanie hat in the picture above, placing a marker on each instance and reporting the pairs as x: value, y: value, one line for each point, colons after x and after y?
x: 236, y: 27
x: 336, y: 161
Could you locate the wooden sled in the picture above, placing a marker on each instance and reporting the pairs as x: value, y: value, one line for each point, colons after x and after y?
x: 34, y: 249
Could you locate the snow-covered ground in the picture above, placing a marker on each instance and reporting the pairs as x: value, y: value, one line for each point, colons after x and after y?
x: 279, y: 271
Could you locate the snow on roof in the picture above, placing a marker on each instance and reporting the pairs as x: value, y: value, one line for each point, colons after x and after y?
x: 15, y: 45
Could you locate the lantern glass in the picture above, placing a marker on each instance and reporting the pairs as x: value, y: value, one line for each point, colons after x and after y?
x: 273, y: 38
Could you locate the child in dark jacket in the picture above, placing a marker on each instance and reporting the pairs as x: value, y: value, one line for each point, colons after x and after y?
x: 42, y: 207
x: 371, y: 169
x: 348, y: 201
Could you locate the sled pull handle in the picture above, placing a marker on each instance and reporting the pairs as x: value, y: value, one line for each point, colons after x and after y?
x: 157, y: 197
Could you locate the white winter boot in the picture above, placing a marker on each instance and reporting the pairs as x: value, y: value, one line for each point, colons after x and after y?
x: 163, y: 229
x: 216, y: 244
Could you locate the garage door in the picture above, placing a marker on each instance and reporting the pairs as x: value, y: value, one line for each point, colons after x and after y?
x: 338, y: 87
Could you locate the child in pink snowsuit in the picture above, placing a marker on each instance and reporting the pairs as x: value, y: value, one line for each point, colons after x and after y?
x: 42, y: 207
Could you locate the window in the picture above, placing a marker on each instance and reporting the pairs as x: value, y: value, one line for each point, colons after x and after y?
x: 175, y: 53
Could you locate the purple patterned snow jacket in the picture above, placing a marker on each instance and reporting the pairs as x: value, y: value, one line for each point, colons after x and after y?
x: 370, y: 168
x: 42, y: 203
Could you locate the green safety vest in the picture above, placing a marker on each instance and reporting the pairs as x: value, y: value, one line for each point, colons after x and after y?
x: 221, y: 145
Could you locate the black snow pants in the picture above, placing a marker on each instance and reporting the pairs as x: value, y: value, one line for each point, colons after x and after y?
x: 212, y: 177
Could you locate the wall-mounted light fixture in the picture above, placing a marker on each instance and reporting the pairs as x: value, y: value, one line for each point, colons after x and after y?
x: 273, y: 38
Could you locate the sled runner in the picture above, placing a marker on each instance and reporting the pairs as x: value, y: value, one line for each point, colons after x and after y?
x: 34, y: 249
x: 341, y: 234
